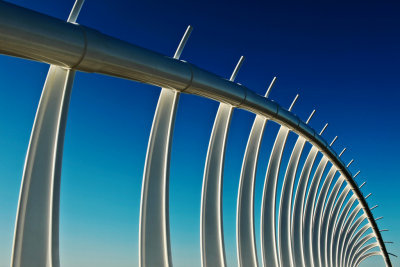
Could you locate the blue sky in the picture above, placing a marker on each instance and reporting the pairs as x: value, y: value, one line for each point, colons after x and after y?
x: 340, y: 56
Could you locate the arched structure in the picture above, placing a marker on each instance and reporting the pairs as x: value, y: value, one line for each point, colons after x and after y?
x: 313, y: 229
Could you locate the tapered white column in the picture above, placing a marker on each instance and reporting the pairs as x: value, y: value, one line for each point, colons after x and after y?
x: 246, y: 243
x: 298, y: 207
x: 337, y: 237
x: 318, y: 216
x: 154, y: 240
x: 365, y: 256
x: 269, y: 250
x: 309, y: 213
x: 36, y: 238
x: 285, y: 207
x: 326, y: 216
x: 358, y: 245
x: 211, y: 227
x: 349, y: 240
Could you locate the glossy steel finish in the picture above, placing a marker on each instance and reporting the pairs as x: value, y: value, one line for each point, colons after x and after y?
x: 245, y: 231
x: 269, y: 250
x: 53, y: 41
x: 309, y: 213
x: 338, y: 236
x: 285, y: 206
x: 297, y: 219
x: 358, y: 245
x: 36, y: 238
x: 366, y: 256
x: 318, y: 217
x: 154, y: 240
x: 268, y: 238
x: 211, y: 227
x: 350, y: 239
x: 332, y: 224
x: 326, y: 216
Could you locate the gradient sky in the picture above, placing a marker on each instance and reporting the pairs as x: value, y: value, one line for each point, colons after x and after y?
x: 342, y: 57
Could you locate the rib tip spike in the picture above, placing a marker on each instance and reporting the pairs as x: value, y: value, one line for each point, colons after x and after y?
x: 351, y: 161
x: 388, y: 242
x: 368, y: 195
x: 384, y: 230
x: 362, y: 185
x: 355, y: 175
x: 76, y: 9
x: 379, y: 218
x: 341, y: 153
x: 391, y: 254
x: 309, y: 117
x: 237, y: 68
x: 293, y: 102
x: 374, y: 207
x: 183, y: 42
x: 323, y: 129
x: 270, y: 87
x: 334, y: 140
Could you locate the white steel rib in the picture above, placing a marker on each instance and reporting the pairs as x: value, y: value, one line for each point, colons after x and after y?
x: 245, y: 231
x: 366, y: 256
x: 284, y: 226
x: 326, y: 220
x: 348, y: 230
x: 36, y: 237
x: 318, y: 216
x: 211, y: 227
x: 297, y: 217
x: 350, y: 239
x: 154, y: 240
x: 358, y: 245
x: 361, y: 254
x: 269, y: 250
x: 268, y: 237
x: 337, y: 237
x: 332, y: 222
x: 309, y: 212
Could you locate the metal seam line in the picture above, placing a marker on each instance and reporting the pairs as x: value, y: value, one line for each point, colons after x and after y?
x: 270, y: 256
x: 36, y: 237
x: 309, y: 212
x: 159, y: 70
x: 154, y: 240
x: 211, y: 225
x: 319, y: 209
x: 245, y: 229
x: 325, y: 219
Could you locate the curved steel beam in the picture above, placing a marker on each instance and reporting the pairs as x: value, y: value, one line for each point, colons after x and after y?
x: 363, y: 255
x: 298, y: 206
x: 327, y: 214
x: 36, y: 237
x: 211, y: 226
x: 359, y: 244
x: 284, y: 226
x: 348, y: 232
x: 50, y: 40
x: 351, y: 239
x: 154, y: 240
x: 309, y: 213
x: 337, y: 237
x: 332, y: 223
x: 245, y: 231
x: 318, y: 216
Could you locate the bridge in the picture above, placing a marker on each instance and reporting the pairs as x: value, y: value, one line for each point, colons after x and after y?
x: 322, y: 220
